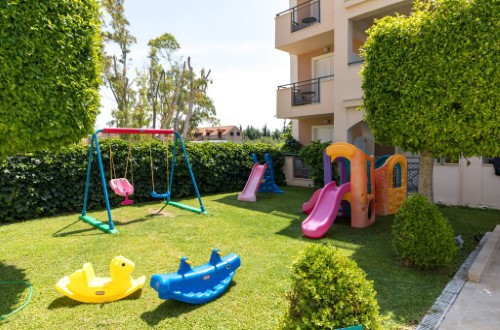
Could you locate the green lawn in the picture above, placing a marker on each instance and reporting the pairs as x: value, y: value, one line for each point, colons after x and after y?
x: 266, y: 235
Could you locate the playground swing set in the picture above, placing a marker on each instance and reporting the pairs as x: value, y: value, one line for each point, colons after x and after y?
x: 122, y: 187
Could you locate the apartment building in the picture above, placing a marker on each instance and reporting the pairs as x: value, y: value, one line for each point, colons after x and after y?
x: 323, y: 38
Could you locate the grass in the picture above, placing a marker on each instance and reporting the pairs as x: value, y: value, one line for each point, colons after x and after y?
x: 266, y: 235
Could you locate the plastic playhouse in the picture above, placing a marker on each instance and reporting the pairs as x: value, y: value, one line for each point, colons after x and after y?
x: 363, y: 190
x: 261, y: 179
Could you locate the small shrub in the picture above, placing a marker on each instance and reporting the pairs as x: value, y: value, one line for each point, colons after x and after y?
x: 422, y: 236
x: 313, y: 156
x: 329, y: 291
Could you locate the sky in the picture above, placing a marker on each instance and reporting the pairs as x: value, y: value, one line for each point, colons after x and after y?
x: 232, y: 38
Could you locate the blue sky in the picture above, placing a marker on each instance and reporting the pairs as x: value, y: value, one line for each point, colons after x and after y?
x: 233, y: 38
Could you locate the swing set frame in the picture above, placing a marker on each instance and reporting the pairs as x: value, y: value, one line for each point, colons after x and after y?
x: 94, y: 143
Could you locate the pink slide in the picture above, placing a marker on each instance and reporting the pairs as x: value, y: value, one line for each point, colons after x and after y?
x: 253, y: 183
x: 326, y: 209
x: 308, y: 206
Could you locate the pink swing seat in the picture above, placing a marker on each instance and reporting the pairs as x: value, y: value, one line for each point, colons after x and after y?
x: 122, y: 187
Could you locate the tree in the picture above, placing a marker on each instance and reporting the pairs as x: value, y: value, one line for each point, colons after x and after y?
x: 116, y: 69
x: 266, y: 131
x: 277, y: 134
x: 50, y: 65
x: 431, y: 81
x: 252, y: 133
x: 197, y: 92
x: 164, y: 88
x: 180, y: 99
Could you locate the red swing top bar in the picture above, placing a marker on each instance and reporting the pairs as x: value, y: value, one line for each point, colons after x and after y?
x: 121, y: 130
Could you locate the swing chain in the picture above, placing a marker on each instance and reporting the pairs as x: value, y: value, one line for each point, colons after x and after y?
x: 112, y: 163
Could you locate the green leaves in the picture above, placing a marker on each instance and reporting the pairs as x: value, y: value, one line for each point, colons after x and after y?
x: 50, y: 73
x: 329, y: 291
x: 422, y: 237
x: 431, y: 80
x: 313, y: 156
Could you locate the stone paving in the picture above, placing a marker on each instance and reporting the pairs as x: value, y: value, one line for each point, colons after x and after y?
x: 466, y: 305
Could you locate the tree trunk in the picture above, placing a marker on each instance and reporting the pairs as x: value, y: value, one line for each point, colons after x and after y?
x: 187, y: 120
x: 425, y: 175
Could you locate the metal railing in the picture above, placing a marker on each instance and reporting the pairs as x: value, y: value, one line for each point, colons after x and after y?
x: 305, y: 92
x: 303, y: 15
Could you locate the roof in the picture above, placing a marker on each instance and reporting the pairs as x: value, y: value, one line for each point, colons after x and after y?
x: 215, y: 130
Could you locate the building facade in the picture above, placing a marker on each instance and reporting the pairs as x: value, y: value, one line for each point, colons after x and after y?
x: 322, y: 98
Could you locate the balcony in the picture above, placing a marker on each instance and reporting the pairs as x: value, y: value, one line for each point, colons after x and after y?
x: 304, y: 15
x: 305, y: 27
x: 306, y: 98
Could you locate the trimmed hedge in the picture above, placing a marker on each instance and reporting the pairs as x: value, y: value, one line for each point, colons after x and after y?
x: 51, y: 64
x: 48, y: 183
x: 422, y: 236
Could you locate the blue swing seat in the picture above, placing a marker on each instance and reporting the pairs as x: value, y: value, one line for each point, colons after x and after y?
x: 166, y: 195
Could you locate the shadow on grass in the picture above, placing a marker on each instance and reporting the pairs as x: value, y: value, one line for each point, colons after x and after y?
x: 286, y: 205
x: 90, y: 231
x: 11, y: 287
x: 173, y: 309
x: 66, y: 302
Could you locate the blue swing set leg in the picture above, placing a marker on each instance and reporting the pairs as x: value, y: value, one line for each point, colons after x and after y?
x: 110, y: 227
x: 201, y: 209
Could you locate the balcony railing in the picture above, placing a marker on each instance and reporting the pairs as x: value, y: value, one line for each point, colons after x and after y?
x: 303, y: 15
x: 305, y: 92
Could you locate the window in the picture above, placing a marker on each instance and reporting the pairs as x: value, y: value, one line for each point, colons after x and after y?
x: 357, y: 39
x: 231, y: 133
x: 322, y: 133
x: 323, y: 66
x: 447, y: 160
x: 300, y: 170
x: 487, y: 160
x: 237, y: 133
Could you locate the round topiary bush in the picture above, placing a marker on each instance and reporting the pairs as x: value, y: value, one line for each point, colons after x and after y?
x: 329, y: 291
x: 422, y: 236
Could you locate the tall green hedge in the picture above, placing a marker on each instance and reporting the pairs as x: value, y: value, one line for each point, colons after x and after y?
x: 50, y: 68
x: 431, y: 81
x: 47, y: 183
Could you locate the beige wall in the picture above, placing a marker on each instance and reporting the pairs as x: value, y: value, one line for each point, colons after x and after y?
x: 315, y: 36
x: 458, y: 184
x: 305, y: 128
x: 304, y: 63
x: 347, y: 87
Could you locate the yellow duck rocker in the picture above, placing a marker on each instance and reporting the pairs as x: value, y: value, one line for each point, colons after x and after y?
x: 85, y: 287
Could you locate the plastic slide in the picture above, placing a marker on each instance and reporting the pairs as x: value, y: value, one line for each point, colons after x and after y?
x: 308, y: 206
x: 249, y: 192
x: 324, y: 213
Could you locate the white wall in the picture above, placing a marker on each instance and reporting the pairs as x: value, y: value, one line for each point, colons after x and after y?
x: 472, y: 185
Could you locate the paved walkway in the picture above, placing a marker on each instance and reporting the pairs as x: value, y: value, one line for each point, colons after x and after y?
x: 471, y: 300
x: 478, y: 304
